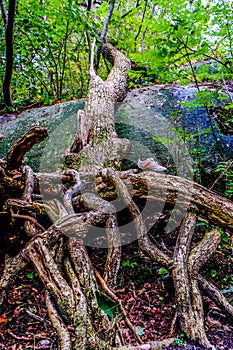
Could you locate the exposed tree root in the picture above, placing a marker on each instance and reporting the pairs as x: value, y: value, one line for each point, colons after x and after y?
x: 70, y: 281
x: 16, y: 154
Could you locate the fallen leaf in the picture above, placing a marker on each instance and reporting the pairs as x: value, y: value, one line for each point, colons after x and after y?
x: 2, y: 319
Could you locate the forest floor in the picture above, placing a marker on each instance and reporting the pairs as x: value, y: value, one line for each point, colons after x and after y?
x: 146, y: 294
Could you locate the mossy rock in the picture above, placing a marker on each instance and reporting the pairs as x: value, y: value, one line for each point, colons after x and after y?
x: 59, y: 119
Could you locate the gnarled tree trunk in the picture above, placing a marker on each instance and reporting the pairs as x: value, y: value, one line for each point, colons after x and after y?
x: 58, y: 252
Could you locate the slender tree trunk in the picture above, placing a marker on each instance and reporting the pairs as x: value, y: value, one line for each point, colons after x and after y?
x: 9, y: 39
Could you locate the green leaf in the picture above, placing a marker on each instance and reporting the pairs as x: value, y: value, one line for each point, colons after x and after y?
x: 31, y: 275
x: 128, y: 263
x: 202, y: 223
x: 213, y: 273
x: 163, y: 271
x: 108, y: 305
x: 178, y: 341
x: 225, y: 238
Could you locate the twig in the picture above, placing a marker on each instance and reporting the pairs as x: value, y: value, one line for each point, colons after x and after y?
x: 36, y: 317
x: 221, y: 175
x: 226, y: 87
x: 214, y: 58
x: 18, y: 338
x: 126, y: 14
x: 27, y: 217
x: 118, y: 301
x: 140, y: 26
x: 186, y: 47
x: 173, y: 324
x: 89, y: 4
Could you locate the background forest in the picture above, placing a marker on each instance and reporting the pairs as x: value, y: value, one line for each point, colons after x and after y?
x: 162, y: 38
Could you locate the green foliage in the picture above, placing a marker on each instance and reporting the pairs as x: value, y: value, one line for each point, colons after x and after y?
x: 205, y: 98
x: 32, y: 275
x: 213, y: 273
x: 108, y: 305
x: 185, y: 32
x: 167, y: 40
x: 163, y: 272
x: 128, y: 263
x: 202, y: 224
x: 51, y: 52
x: 225, y: 172
x: 180, y: 340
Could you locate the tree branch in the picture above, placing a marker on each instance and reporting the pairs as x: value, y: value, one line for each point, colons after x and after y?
x: 89, y: 4
x: 92, y: 69
x: 107, y: 19
x: 140, y: 27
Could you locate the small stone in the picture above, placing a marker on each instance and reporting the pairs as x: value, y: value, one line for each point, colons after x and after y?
x: 43, y: 344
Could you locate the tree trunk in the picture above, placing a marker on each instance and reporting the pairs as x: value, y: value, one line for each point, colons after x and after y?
x: 96, y: 141
x: 9, y: 39
x: 79, y: 199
